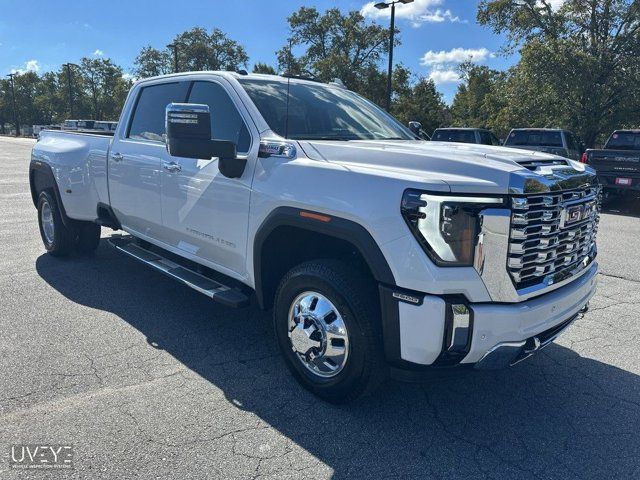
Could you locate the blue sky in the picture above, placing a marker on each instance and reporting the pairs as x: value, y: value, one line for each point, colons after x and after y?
x: 41, y: 35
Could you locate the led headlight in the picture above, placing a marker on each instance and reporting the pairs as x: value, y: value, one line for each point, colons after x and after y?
x: 446, y: 226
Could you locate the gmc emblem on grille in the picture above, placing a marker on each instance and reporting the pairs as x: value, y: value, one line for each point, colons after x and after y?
x: 574, y: 214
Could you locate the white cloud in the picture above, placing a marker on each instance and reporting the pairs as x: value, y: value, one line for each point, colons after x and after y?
x: 555, y: 4
x: 98, y: 53
x: 443, y: 63
x: 437, y: 16
x: 418, y: 12
x: 29, y: 66
x: 444, y: 76
x: 455, y: 56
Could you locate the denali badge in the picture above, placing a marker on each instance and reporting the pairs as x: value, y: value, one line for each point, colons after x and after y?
x: 406, y: 298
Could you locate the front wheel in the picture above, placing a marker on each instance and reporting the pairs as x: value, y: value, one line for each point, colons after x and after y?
x: 327, y: 324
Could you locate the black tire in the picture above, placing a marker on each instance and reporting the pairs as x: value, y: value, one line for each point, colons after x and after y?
x: 60, y: 241
x: 88, y: 237
x: 356, y: 299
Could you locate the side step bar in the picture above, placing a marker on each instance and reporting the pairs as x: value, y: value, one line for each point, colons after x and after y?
x: 231, y: 297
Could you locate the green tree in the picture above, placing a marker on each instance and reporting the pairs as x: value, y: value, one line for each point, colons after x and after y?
x: 420, y: 101
x: 480, y: 99
x: 104, y: 86
x: 580, y: 65
x: 197, y: 50
x: 335, y: 45
x: 264, y: 68
x: 152, y: 62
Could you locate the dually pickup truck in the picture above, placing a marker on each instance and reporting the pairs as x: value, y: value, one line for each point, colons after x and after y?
x: 378, y: 252
x: 618, y: 163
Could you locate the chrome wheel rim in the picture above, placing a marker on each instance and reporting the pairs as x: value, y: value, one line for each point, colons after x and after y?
x: 318, y: 335
x: 46, y: 218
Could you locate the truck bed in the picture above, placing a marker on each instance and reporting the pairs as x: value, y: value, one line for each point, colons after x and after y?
x: 78, y: 161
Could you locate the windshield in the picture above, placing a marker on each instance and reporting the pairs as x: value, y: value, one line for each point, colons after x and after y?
x: 624, y: 141
x: 535, y: 138
x: 321, y: 112
x: 458, y: 136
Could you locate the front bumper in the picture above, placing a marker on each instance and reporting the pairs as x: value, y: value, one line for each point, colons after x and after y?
x: 417, y: 327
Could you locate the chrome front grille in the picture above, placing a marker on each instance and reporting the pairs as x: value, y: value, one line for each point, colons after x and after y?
x: 552, y: 235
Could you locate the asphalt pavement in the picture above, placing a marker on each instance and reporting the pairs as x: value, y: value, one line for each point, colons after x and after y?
x: 146, y: 378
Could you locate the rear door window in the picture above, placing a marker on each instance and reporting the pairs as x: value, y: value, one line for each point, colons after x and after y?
x: 148, y: 117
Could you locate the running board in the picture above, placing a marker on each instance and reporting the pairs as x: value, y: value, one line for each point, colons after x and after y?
x: 228, y: 296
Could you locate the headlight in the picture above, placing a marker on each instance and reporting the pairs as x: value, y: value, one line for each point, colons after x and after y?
x: 446, y: 226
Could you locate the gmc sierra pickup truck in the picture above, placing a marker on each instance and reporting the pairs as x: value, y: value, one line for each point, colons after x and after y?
x: 378, y: 252
x: 618, y: 163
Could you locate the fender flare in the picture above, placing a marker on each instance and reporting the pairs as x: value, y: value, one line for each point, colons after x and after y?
x: 336, y: 227
x: 46, y: 180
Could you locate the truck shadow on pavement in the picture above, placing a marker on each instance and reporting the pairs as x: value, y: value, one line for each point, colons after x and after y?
x: 558, y: 415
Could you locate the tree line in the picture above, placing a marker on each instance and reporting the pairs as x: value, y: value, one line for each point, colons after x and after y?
x: 94, y: 88
x: 579, y: 69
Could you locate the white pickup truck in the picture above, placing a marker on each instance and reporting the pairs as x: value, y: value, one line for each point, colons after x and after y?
x: 377, y: 251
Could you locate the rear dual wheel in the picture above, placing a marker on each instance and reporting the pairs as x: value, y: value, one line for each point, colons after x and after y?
x: 59, y: 239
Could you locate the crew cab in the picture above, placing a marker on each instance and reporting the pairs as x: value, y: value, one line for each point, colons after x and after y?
x: 480, y: 136
x: 377, y: 252
x: 618, y: 163
x: 549, y: 140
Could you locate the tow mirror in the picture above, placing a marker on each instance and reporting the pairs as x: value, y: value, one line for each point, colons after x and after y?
x: 188, y: 127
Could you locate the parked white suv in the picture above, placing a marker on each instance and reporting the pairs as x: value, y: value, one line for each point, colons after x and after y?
x: 378, y: 252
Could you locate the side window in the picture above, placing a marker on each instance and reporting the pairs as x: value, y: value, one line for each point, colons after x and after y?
x: 226, y: 122
x: 485, y: 138
x: 148, y: 117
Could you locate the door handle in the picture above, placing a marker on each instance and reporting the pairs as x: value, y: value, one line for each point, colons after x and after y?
x: 172, y: 167
x: 117, y: 157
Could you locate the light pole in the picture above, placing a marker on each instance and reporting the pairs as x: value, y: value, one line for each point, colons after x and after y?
x: 13, y: 101
x: 68, y: 67
x: 392, y: 29
x: 174, y: 46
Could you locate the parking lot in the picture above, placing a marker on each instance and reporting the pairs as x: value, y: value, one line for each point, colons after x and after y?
x: 147, y: 378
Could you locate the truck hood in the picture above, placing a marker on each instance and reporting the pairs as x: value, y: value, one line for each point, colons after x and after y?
x: 463, y: 167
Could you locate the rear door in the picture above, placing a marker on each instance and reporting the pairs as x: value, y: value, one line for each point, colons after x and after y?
x: 136, y: 160
x: 206, y: 214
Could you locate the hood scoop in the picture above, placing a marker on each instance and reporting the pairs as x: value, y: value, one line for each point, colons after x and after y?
x: 535, y: 163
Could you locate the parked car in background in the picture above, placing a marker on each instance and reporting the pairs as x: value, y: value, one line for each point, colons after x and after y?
x: 618, y: 163
x: 479, y: 136
x: 549, y: 140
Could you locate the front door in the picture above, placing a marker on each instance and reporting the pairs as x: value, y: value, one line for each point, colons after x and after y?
x: 136, y: 160
x: 206, y: 214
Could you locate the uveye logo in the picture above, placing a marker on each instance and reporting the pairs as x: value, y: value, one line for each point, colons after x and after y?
x: 41, y: 456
